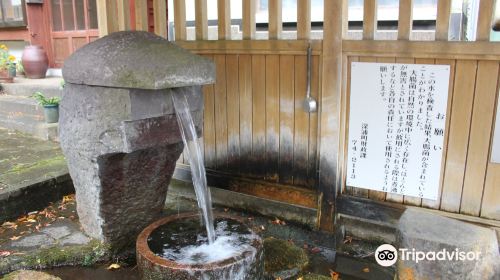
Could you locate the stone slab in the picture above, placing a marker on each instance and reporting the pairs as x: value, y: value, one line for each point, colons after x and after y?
x: 427, y: 232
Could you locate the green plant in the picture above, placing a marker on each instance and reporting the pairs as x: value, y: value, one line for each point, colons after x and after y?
x: 20, y: 67
x: 6, y: 59
x: 44, y: 101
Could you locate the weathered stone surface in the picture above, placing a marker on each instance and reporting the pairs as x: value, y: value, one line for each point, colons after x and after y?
x: 30, y: 275
x: 427, y: 232
x: 76, y: 238
x: 283, y: 259
x: 135, y: 59
x: 34, y: 241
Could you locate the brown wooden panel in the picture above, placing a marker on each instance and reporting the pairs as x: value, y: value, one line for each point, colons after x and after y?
x: 312, y: 168
x: 272, y: 116
x: 287, y: 108
x: 465, y: 77
x: 78, y: 43
x: 480, y: 135
x: 209, y: 126
x: 61, y: 49
x: 233, y: 112
x: 245, y: 91
x: 221, y: 112
x: 301, y: 123
x: 258, y: 115
x: 435, y: 204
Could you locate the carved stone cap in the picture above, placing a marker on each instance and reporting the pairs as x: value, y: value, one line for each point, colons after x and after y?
x: 137, y: 59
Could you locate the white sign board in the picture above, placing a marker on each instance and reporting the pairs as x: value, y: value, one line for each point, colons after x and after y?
x: 396, y: 127
x: 495, y: 150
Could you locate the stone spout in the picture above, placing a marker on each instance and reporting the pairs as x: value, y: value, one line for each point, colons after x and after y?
x: 118, y: 128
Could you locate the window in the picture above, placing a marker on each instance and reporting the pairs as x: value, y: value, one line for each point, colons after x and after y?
x: 12, y: 13
x: 70, y: 15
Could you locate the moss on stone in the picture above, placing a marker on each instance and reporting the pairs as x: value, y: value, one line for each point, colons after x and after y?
x: 29, y: 275
x: 283, y: 255
x: 18, y: 168
x: 85, y: 255
x: 312, y: 276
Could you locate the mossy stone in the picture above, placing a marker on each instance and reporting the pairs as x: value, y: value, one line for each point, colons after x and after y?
x: 282, y: 255
x: 29, y: 275
x: 313, y: 276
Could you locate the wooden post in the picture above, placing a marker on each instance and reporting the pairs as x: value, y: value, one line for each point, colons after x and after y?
x: 303, y: 19
x: 405, y: 21
x: 369, y: 19
x: 141, y: 15
x: 201, y: 20
x: 107, y: 17
x: 224, y: 19
x: 443, y: 20
x: 249, y: 19
x: 275, y: 19
x: 329, y: 176
x: 160, y: 17
x: 484, y: 19
x: 123, y: 10
x: 180, y: 20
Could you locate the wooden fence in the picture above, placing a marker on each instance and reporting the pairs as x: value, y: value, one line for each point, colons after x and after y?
x: 254, y: 124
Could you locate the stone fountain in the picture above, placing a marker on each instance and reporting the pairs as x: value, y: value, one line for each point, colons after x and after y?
x: 118, y: 128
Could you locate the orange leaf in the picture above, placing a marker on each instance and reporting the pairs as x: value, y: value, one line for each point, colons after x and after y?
x: 334, y: 275
x: 5, y: 253
x: 15, y: 238
x: 114, y: 266
x: 366, y: 270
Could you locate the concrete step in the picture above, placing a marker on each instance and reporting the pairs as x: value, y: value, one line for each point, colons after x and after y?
x: 50, y: 86
x: 23, y: 114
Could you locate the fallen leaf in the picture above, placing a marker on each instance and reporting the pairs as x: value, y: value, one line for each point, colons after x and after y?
x: 5, y: 253
x: 262, y: 228
x: 33, y: 213
x: 113, y: 266
x: 31, y: 221
x: 9, y: 225
x: 68, y: 198
x: 276, y: 221
x: 315, y: 250
x: 334, y: 275
x: 348, y: 239
x: 15, y: 238
x: 366, y: 270
x: 300, y: 278
x: 226, y: 209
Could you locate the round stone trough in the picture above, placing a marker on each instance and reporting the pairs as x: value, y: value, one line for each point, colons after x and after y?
x: 245, y: 265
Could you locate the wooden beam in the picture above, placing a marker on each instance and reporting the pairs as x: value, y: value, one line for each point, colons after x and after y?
x: 123, y: 10
x: 224, y: 19
x: 249, y: 19
x: 107, y: 17
x: 160, y: 16
x: 405, y: 21
x: 330, y: 178
x: 303, y: 19
x: 289, y: 47
x: 484, y: 19
x: 423, y: 49
x: 443, y: 20
x: 141, y: 15
x: 201, y: 20
x: 180, y: 20
x: 369, y: 19
x: 275, y: 19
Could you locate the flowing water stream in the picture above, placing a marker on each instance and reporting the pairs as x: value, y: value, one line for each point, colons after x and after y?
x: 195, y: 157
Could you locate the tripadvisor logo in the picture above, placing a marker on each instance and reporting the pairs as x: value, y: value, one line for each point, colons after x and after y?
x: 387, y: 255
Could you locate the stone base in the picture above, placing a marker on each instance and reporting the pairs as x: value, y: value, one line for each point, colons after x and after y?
x: 427, y: 232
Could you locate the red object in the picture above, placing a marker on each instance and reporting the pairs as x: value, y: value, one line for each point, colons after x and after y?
x: 35, y: 62
x: 5, y: 77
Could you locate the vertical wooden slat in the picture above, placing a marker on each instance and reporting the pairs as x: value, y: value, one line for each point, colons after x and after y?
x: 160, y: 17
x: 287, y: 109
x: 201, y: 20
x: 345, y: 129
x: 258, y: 114
x: 330, y: 179
x: 312, y: 173
x: 106, y: 17
x: 272, y: 116
x: 301, y: 123
x: 233, y: 112
x: 369, y: 19
x: 141, y: 15
x: 275, y: 19
x: 405, y: 21
x: 435, y: 204
x: 480, y: 135
x: 249, y: 19
x: 303, y: 19
x: 443, y: 20
x: 224, y: 19
x: 123, y: 9
x: 209, y: 125
x: 459, y: 134
x: 220, y: 112
x: 180, y: 20
x: 484, y: 18
x: 245, y: 84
